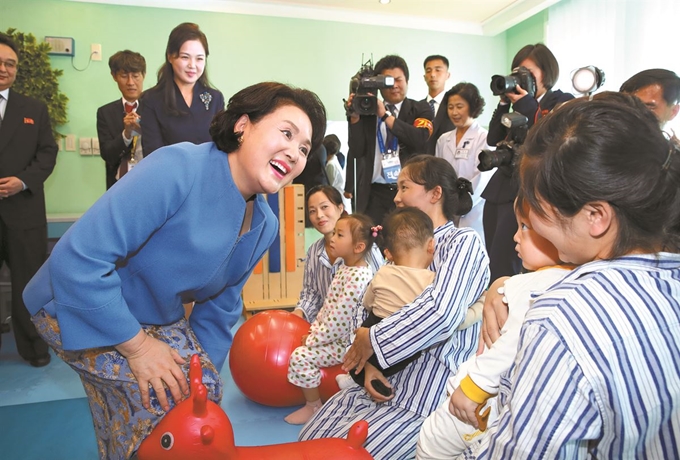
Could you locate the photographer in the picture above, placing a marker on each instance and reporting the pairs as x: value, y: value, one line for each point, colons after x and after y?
x: 499, y: 220
x: 380, y: 142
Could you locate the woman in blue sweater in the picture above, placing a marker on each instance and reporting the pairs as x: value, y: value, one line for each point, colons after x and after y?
x: 186, y: 225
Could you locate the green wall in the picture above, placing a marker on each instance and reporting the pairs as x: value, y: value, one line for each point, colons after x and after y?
x: 318, y: 55
x: 528, y: 32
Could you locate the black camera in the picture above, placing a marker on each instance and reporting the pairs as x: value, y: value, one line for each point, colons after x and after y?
x: 521, y: 77
x: 363, y: 83
x: 507, y: 150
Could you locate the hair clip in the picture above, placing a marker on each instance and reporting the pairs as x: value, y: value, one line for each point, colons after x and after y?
x: 375, y: 230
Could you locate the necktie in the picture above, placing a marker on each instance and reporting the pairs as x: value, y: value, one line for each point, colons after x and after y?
x: 390, y: 136
x: 2, y: 98
x: 123, y: 168
x: 432, y: 103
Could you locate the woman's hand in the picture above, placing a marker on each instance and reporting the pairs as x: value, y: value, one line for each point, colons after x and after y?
x: 495, y: 313
x: 371, y: 373
x: 463, y: 408
x: 299, y: 312
x: 518, y: 94
x: 155, y: 363
x: 359, y: 352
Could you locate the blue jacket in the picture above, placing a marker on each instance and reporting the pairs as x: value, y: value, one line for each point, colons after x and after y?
x: 166, y: 233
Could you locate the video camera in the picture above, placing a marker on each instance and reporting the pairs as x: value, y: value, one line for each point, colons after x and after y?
x: 362, y: 84
x: 507, y: 150
x: 507, y: 84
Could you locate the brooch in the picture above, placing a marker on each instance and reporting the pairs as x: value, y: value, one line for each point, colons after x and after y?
x: 206, y: 98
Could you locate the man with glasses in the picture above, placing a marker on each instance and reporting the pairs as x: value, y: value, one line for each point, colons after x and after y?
x: 28, y: 154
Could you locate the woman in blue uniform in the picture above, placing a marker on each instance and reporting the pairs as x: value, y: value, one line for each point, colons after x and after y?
x: 182, y: 104
x: 186, y: 225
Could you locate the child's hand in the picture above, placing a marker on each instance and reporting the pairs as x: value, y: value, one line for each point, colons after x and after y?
x: 463, y: 408
x: 303, y: 341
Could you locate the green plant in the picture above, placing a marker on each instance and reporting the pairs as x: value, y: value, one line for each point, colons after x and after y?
x: 36, y: 77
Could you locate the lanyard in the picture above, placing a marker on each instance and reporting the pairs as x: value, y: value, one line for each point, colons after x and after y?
x: 381, y: 141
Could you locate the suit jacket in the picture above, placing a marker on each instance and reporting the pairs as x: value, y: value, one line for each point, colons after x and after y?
x: 362, y: 140
x: 159, y: 128
x: 27, y: 151
x: 442, y: 124
x: 111, y: 144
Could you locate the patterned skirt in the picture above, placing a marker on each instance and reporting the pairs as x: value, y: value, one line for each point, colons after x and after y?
x: 121, y: 423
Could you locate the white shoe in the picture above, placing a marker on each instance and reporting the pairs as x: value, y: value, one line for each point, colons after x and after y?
x: 345, y: 381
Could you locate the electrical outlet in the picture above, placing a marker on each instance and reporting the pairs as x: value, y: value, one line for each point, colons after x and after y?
x: 70, y: 142
x: 95, y: 146
x: 85, y: 146
x: 96, y: 52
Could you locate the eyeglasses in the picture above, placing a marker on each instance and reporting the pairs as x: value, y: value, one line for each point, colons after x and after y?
x: 9, y: 65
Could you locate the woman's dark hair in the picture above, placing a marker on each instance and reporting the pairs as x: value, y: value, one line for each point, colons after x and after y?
x: 430, y: 172
x: 260, y: 100
x: 609, y: 149
x: 331, y: 193
x: 470, y: 93
x: 543, y: 58
x: 184, y: 32
x: 360, y: 225
x: 405, y: 229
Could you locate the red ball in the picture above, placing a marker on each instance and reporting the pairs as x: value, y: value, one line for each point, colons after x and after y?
x: 259, y: 356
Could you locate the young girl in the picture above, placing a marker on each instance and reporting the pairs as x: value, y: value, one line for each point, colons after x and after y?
x: 457, y: 423
x: 324, y: 206
x: 329, y: 334
x: 408, y: 242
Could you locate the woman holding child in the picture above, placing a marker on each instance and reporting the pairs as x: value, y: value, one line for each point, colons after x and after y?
x: 597, y: 373
x: 428, y: 324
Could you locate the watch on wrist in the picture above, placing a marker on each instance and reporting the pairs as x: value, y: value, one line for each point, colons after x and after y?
x: 387, y: 114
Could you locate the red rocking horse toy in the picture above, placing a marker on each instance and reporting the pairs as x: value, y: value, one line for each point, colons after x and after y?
x: 199, y: 428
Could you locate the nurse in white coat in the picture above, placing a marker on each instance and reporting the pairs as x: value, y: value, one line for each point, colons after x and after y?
x: 461, y: 147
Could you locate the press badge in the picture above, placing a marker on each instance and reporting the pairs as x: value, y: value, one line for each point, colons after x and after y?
x: 461, y: 154
x: 391, y: 168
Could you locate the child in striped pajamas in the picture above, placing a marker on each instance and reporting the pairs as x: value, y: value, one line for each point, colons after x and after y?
x: 329, y: 334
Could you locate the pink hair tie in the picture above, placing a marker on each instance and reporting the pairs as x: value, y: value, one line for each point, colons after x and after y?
x: 375, y: 230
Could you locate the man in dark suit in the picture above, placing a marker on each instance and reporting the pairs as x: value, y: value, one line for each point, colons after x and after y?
x: 117, y: 122
x: 436, y: 76
x: 28, y: 154
x: 380, y: 145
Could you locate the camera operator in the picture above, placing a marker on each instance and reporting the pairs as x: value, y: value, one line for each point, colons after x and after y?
x: 499, y: 219
x: 380, y: 143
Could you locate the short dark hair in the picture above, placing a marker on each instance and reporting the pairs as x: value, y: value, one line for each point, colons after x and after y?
x: 606, y: 149
x: 668, y: 80
x: 260, y: 100
x: 127, y: 61
x: 360, y: 227
x: 434, y: 57
x: 431, y: 172
x: 543, y: 58
x: 391, y: 61
x: 332, y: 144
x: 405, y: 229
x: 470, y: 93
x: 7, y: 41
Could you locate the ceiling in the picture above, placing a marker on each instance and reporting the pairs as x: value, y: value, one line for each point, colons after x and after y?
x: 477, y: 17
